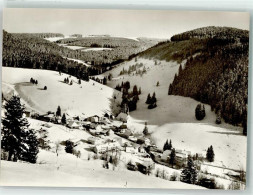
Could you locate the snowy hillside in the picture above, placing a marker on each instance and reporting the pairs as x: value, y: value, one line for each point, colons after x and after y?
x: 86, y: 99
x: 174, y: 116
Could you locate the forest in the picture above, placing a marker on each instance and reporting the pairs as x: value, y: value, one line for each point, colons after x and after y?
x: 33, y: 51
x: 215, y: 71
x: 120, y: 48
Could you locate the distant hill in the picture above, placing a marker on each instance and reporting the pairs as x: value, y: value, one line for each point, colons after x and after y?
x: 43, y: 35
x: 216, y: 69
x: 32, y: 50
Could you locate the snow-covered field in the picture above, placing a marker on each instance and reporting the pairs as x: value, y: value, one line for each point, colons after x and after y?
x: 174, y: 118
x: 96, y: 49
x: 73, y: 47
x: 87, y: 99
x: 78, y: 61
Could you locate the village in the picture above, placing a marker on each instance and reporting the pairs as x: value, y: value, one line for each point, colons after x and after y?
x: 110, y: 137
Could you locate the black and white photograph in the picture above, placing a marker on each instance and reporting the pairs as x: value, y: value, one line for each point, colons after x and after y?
x: 118, y: 98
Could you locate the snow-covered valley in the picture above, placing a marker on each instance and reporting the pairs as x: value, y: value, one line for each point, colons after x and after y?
x: 173, y: 119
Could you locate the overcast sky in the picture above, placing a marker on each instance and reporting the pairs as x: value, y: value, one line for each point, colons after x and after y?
x: 125, y: 23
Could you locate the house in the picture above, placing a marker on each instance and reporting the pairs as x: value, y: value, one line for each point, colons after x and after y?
x: 94, y: 140
x: 122, y: 117
x: 123, y: 126
x: 121, y: 141
x: 102, y: 148
x: 105, y: 120
x: 73, y: 125
x: 181, y: 156
x: 132, y: 150
x: 165, y: 155
x: 50, y: 117
x: 46, y: 125
x: 147, y: 141
x: 141, y: 149
x: 27, y: 113
x: 132, y: 138
x: 125, y: 133
x: 93, y: 119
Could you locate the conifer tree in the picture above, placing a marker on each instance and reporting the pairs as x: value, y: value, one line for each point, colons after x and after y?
x: 104, y: 81
x: 63, y: 119
x: 172, y: 160
x: 170, y: 90
x: 15, y: 125
x: 170, y: 145
x: 165, y: 146
x: 210, y: 154
x: 200, y: 112
x: 189, y: 173
x: 69, y: 147
x: 148, y: 99
x: 135, y: 90
x: 145, y: 130
x: 29, y: 153
x: 153, y: 99
x: 58, y: 112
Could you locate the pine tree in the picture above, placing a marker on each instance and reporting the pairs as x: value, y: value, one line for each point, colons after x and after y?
x: 148, y: 99
x: 104, y: 81
x: 79, y: 81
x: 210, y: 154
x: 170, y: 145
x: 172, y: 160
x: 45, y: 87
x: 170, y: 90
x: 153, y: 99
x: 203, y: 112
x: 165, y: 146
x: 69, y: 147
x: 63, y: 119
x: 145, y: 130
x: 139, y: 90
x: 135, y: 90
x: 14, y: 128
x: 157, y: 84
x: 189, y: 173
x: 200, y: 112
x: 58, y: 112
x: 29, y: 153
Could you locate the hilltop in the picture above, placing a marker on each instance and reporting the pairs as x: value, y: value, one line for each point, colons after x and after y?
x: 85, y: 99
x: 216, y: 69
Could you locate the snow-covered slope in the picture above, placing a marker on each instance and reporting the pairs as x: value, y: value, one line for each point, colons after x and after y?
x: 80, y: 174
x: 87, y: 99
x: 174, y: 117
x: 66, y: 170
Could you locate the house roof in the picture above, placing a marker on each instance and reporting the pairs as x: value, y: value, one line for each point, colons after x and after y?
x: 73, y: 123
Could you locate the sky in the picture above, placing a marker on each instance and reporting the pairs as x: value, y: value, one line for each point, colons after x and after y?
x: 124, y: 23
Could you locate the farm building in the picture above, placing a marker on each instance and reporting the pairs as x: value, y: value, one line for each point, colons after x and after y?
x: 132, y: 150
x: 122, y: 117
x: 73, y: 125
x: 106, y: 147
x: 94, y: 140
